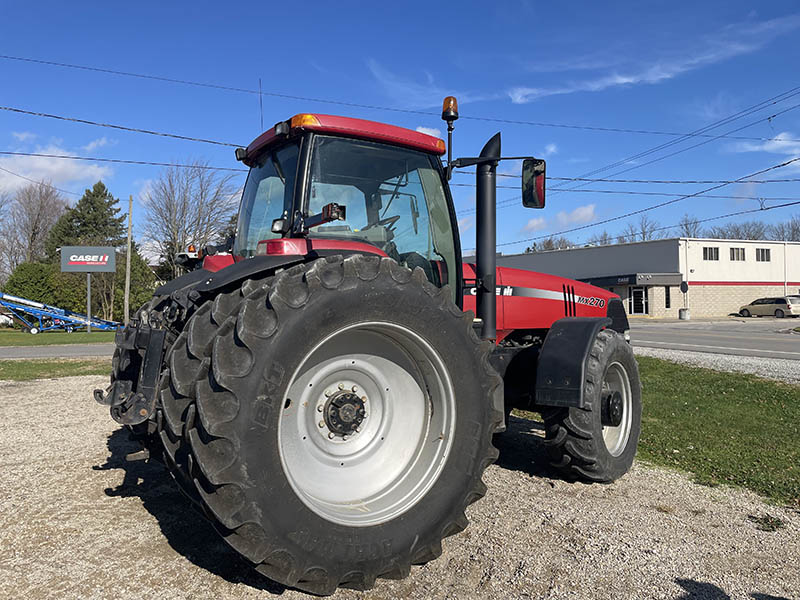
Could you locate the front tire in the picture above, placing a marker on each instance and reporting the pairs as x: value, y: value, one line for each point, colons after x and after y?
x: 320, y: 485
x: 598, y: 442
x: 745, y: 313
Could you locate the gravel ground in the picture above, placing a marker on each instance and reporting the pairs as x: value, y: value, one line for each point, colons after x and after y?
x: 771, y: 368
x: 78, y: 522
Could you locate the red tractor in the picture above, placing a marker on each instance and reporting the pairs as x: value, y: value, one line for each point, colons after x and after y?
x: 321, y: 388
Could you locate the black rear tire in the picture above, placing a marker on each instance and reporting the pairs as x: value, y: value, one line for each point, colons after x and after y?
x: 779, y: 314
x: 574, y: 436
x: 241, y: 391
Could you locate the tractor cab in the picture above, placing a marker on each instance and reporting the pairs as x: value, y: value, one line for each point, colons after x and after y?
x: 390, y: 198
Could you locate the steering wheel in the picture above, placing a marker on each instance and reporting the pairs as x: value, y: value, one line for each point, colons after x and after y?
x: 388, y: 221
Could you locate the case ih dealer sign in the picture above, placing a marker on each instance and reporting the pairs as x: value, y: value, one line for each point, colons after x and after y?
x: 85, y: 259
x: 88, y: 259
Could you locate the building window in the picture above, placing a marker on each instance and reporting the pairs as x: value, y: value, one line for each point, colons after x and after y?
x: 762, y: 255
x: 666, y: 296
x: 710, y: 253
x: 737, y: 254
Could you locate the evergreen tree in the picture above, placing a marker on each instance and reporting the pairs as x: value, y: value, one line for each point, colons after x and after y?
x: 93, y: 221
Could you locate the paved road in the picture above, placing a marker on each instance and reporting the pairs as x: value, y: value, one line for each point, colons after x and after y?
x: 763, y: 337
x: 59, y: 351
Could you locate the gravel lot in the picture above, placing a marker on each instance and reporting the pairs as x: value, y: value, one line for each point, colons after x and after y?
x: 78, y: 522
x: 771, y: 368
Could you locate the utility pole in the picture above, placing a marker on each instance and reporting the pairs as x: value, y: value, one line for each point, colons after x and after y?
x: 128, y: 262
x: 88, y: 302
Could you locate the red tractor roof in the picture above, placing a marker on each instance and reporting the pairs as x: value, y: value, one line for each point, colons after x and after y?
x: 360, y: 128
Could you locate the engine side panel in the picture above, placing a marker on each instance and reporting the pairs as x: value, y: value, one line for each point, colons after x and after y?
x: 536, y: 300
x: 530, y: 300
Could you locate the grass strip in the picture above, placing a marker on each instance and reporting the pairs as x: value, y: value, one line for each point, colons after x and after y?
x: 25, y: 370
x: 729, y: 428
x: 14, y: 337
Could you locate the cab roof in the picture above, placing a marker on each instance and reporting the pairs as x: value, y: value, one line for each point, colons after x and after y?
x: 346, y: 126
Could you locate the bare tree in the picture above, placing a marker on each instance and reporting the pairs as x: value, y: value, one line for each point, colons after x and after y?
x: 551, y: 243
x: 689, y: 227
x: 788, y: 231
x: 746, y: 230
x: 646, y: 229
x: 26, y: 218
x: 601, y: 239
x: 187, y: 206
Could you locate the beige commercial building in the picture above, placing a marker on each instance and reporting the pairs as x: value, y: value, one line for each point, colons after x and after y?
x: 720, y: 275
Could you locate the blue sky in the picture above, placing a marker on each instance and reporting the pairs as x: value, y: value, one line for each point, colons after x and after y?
x: 632, y: 65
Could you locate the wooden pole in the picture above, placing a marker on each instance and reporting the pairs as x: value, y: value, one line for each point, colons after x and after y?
x: 128, y: 262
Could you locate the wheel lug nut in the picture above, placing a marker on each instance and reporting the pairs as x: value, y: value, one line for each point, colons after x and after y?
x: 328, y: 393
x: 321, y: 424
x: 341, y: 386
x: 331, y: 435
x: 354, y: 389
x: 363, y: 398
x: 344, y: 437
x: 319, y: 408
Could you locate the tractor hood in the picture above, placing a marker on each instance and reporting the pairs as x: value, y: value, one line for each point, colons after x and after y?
x: 530, y: 300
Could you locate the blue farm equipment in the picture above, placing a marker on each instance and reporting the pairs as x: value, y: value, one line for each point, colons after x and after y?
x: 36, y: 316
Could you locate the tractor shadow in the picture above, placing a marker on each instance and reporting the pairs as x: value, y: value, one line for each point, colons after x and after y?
x: 184, y: 528
x: 522, y: 449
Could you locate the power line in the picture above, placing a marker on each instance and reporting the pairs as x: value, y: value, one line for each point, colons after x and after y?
x: 605, y: 180
x: 214, y: 168
x: 698, y: 221
x: 734, y: 214
x: 703, y: 143
x: 511, y: 202
x: 124, y: 161
x: 714, y: 125
x: 370, y: 106
x: 653, y: 207
x: 40, y: 183
x: 112, y: 126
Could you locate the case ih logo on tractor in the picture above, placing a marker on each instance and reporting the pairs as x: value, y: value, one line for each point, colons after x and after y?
x: 327, y: 385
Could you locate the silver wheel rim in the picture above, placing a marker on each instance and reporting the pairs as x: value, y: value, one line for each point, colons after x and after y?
x: 372, y: 475
x: 616, y: 380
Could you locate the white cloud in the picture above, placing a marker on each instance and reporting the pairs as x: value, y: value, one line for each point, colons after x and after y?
x: 536, y: 224
x: 731, y: 41
x: 150, y: 252
x: 549, y: 150
x: 60, y: 172
x: 98, y: 143
x: 783, y: 143
x: 510, y: 167
x: 465, y: 223
x: 430, y: 131
x: 410, y: 93
x: 23, y: 136
x: 582, y: 214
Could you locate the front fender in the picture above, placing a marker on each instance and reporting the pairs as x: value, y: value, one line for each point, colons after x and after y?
x: 562, y: 360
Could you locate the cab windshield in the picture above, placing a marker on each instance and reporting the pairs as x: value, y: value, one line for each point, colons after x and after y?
x: 394, y: 200
x: 268, y: 195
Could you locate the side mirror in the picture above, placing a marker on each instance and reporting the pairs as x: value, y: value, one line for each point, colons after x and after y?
x: 533, y: 183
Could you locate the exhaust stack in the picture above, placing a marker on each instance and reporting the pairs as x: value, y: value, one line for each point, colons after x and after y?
x: 486, y: 237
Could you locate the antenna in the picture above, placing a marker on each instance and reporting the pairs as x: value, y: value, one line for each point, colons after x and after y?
x: 261, y: 104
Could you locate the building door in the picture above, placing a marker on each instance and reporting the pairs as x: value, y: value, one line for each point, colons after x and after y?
x: 637, y: 301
